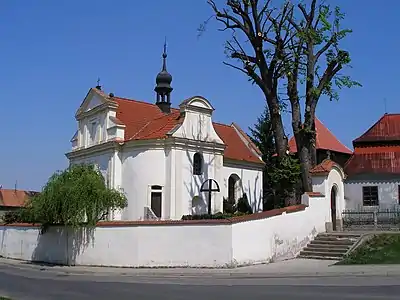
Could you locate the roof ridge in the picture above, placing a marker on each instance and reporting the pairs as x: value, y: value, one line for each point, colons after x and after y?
x: 222, y: 124
x: 138, y: 101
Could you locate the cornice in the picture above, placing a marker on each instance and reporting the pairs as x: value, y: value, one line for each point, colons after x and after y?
x: 83, y: 152
x: 228, y: 162
x: 97, y: 109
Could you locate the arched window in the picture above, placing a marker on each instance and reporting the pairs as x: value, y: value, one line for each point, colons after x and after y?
x: 197, y: 164
x: 233, y: 188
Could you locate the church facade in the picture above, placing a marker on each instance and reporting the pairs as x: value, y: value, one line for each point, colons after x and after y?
x: 161, y: 157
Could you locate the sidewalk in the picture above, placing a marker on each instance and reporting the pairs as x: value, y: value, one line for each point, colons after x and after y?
x: 284, y: 269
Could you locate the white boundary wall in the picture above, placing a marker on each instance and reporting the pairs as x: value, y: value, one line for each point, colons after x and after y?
x: 201, y: 244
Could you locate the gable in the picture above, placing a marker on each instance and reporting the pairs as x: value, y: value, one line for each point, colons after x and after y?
x: 95, y: 98
x: 145, y: 121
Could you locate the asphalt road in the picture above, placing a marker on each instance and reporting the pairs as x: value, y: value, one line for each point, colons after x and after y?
x: 25, y: 284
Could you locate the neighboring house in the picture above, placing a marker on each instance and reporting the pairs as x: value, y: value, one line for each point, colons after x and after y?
x: 373, y: 171
x: 160, y: 156
x: 11, y: 199
x: 327, y: 145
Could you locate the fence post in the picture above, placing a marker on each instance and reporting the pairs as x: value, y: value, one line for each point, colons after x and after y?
x: 375, y: 219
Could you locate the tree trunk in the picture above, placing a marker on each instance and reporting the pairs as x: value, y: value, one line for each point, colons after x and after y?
x: 279, y: 132
x: 305, y: 157
x: 305, y: 167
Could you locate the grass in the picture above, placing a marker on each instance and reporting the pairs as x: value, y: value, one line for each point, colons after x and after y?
x: 380, y: 249
x: 5, y: 298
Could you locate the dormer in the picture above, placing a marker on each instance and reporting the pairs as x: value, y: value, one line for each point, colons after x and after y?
x: 97, y: 121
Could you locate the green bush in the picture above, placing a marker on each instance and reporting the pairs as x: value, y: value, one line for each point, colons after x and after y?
x: 23, y: 215
x: 229, y: 206
x: 72, y: 197
x: 243, y: 205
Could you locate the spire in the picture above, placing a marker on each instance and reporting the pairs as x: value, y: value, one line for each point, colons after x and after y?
x: 163, y: 87
x: 164, y: 68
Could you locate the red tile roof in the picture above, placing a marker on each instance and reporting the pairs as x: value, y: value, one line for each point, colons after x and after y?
x: 386, y: 129
x: 377, y: 151
x: 375, y: 160
x: 145, y: 121
x: 324, y: 167
x: 325, y: 140
x: 14, y: 198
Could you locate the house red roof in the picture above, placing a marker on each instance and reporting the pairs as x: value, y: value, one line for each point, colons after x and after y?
x: 324, y: 167
x: 377, y: 151
x: 386, y: 129
x: 145, y: 121
x: 325, y: 140
x: 14, y: 198
x: 375, y: 160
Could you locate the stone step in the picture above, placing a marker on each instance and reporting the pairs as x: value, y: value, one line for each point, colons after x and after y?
x: 335, y: 239
x: 342, y: 251
x: 318, y: 257
x: 332, y: 242
x: 337, y: 255
x: 342, y: 234
x: 329, y: 246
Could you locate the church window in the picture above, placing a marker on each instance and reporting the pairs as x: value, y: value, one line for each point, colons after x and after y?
x: 94, y: 133
x: 197, y: 164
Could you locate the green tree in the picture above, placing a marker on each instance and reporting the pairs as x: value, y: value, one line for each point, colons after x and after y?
x: 284, y: 47
x: 75, y: 196
x: 281, y: 174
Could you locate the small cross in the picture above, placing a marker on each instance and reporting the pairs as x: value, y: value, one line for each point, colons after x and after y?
x: 98, y: 81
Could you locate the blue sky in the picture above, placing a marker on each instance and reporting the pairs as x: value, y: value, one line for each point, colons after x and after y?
x: 53, y: 51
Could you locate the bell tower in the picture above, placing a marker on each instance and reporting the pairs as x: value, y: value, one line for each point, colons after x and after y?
x: 163, y: 87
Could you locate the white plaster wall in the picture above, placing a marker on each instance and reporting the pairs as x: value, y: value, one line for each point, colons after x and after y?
x: 141, y: 168
x: 188, y: 185
x: 250, y: 182
x: 324, y: 184
x: 318, y: 183
x: 143, y: 246
x: 102, y: 160
x: 197, y: 124
x: 168, y: 245
x: 387, y: 193
x: 280, y: 237
x: 336, y: 177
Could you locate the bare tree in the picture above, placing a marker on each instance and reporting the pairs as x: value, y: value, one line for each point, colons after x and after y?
x: 282, y: 47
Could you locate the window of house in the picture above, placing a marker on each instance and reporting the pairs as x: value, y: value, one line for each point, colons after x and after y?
x: 370, y: 196
x: 197, y: 164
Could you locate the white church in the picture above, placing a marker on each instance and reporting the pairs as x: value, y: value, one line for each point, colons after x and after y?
x: 160, y: 156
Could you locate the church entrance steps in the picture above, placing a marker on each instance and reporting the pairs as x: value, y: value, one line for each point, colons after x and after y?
x: 330, y: 245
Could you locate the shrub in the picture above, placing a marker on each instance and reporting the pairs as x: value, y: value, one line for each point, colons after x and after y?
x: 243, y: 205
x: 229, y: 206
x: 74, y: 196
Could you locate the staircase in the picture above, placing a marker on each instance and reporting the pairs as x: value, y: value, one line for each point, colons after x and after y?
x: 330, y: 245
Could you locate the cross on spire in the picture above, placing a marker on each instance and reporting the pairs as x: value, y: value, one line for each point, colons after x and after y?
x: 98, y: 86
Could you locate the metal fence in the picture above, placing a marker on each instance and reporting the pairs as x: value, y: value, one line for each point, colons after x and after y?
x: 367, y: 219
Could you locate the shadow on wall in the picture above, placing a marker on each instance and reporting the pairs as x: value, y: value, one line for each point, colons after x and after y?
x: 198, y: 203
x: 62, y: 245
x: 255, y: 202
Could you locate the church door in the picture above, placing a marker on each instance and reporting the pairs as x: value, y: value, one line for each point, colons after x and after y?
x: 156, y: 202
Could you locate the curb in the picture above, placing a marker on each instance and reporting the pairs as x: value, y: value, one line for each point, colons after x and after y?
x: 227, y: 275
